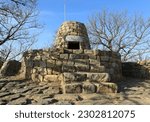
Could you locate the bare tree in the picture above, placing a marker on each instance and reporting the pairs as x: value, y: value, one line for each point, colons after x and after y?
x: 18, y: 27
x: 129, y: 36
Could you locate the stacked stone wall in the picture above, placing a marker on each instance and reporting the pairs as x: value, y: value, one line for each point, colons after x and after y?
x: 77, y: 71
x: 136, y: 69
x: 40, y: 63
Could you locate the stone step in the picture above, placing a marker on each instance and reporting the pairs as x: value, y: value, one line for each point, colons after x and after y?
x: 83, y: 68
x: 79, y: 77
x: 88, y: 88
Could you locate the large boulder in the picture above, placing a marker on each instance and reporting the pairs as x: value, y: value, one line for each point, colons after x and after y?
x: 10, y: 68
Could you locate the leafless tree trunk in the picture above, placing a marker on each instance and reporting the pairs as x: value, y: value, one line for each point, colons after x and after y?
x: 18, y: 27
x: 129, y: 36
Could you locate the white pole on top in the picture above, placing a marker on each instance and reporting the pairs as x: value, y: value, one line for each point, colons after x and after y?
x: 64, y: 10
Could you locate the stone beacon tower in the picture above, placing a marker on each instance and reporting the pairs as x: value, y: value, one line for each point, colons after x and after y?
x: 72, y: 35
x: 72, y: 64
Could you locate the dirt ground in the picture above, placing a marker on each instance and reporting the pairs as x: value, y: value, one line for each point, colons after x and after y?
x: 130, y: 92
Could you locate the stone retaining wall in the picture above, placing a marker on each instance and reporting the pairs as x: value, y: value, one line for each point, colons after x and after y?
x: 42, y: 63
x: 136, y: 69
x: 77, y: 71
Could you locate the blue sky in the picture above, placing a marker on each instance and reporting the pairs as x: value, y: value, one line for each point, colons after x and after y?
x: 52, y: 13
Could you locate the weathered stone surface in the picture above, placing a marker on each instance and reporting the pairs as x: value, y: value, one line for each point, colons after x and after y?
x: 68, y: 68
x: 68, y: 97
x: 76, y: 32
x: 98, y: 77
x: 136, y: 69
x: 97, y: 69
x: 78, y: 51
x: 46, y: 101
x: 79, y: 56
x: 21, y: 90
x: 82, y: 67
x: 89, y: 88
x: 64, y: 56
x: 12, y: 97
x: 87, y: 61
x: 51, y: 78
x: 73, y: 88
x: 3, y: 94
x: 74, y: 77
x: 53, y: 90
x: 34, y: 77
x: 107, y: 88
x: 10, y: 68
x: 132, y: 91
x: 19, y: 101
x: 3, y: 102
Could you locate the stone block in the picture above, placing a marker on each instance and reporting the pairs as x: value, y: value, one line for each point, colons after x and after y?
x: 73, y: 88
x: 107, y: 88
x: 50, y: 63
x: 49, y: 71
x: 70, y: 63
x: 81, y: 61
x: 89, y: 88
x: 89, y: 52
x: 98, y: 77
x: 40, y: 77
x: 79, y: 56
x: 82, y: 68
x: 74, y: 77
x: 34, y: 77
x: 64, y: 56
x: 78, y: 51
x: 67, y: 68
x: 51, y: 78
x: 69, y: 51
x: 34, y: 71
x: 97, y: 69
x: 56, y: 72
x: 94, y: 62
x: 59, y: 62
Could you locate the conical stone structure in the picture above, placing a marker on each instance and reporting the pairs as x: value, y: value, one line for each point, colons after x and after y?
x: 72, y: 35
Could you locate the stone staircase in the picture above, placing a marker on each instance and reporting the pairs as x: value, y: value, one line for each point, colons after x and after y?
x: 85, y: 74
x: 77, y: 71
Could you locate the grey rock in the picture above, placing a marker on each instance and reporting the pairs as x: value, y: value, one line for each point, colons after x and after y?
x: 47, y: 101
x: 12, y: 97
x: 19, y: 101
x: 3, y: 94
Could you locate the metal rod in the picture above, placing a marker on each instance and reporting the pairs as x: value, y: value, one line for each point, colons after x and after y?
x: 64, y: 10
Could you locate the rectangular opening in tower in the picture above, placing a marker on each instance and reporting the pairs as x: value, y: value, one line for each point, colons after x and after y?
x: 73, y: 45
